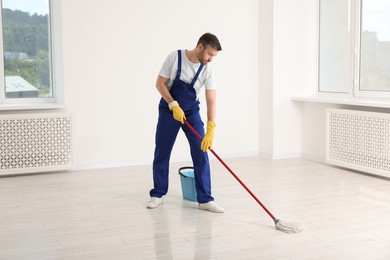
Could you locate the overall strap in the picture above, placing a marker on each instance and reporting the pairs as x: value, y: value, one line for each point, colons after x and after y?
x: 178, y: 65
x: 196, y: 75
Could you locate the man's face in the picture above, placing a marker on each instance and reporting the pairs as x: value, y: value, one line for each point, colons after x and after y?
x: 206, y: 54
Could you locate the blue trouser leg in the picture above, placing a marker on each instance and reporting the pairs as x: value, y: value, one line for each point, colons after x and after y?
x: 166, y: 133
x: 200, y: 159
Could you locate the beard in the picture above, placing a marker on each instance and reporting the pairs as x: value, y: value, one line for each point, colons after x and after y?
x: 201, y: 59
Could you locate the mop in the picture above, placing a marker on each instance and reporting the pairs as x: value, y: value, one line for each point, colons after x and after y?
x: 287, y: 227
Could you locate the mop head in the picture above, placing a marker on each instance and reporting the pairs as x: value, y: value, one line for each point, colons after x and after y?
x: 288, y: 227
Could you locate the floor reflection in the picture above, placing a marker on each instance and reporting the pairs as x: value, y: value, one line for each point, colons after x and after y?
x: 162, y: 239
x: 203, y: 236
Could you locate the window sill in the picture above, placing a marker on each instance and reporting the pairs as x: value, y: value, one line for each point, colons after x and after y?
x: 344, y: 101
x: 31, y: 106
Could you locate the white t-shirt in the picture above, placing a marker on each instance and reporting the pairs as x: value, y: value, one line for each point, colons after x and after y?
x: 188, y: 70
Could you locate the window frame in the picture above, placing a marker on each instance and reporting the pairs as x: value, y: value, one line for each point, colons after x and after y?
x: 56, y: 67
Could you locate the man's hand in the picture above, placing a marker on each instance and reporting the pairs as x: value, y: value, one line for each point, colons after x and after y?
x: 208, y: 139
x: 178, y: 113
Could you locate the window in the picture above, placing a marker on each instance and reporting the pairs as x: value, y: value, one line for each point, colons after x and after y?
x: 375, y: 46
x: 354, y: 47
x: 27, y: 73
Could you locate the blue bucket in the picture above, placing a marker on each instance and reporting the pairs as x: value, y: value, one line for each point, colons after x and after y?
x: 187, y: 180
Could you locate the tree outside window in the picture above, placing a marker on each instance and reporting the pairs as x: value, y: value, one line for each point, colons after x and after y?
x: 27, y: 49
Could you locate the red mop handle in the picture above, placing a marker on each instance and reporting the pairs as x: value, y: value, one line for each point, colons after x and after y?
x: 231, y: 171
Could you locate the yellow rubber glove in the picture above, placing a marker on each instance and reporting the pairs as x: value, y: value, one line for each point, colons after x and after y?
x: 178, y: 113
x: 208, y: 139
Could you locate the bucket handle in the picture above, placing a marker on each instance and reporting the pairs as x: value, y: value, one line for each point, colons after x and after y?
x: 185, y: 168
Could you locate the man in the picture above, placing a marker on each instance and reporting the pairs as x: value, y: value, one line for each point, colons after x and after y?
x: 180, y: 80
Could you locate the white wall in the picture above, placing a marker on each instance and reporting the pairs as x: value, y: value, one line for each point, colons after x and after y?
x: 266, y: 75
x: 112, y: 53
x: 314, y: 130
x: 290, y: 52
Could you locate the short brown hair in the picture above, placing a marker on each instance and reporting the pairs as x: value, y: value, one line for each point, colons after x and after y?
x: 209, y: 39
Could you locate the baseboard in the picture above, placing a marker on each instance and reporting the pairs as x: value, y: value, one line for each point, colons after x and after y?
x: 281, y: 156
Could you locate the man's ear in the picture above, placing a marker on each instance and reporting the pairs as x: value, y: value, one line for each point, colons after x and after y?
x: 200, y: 47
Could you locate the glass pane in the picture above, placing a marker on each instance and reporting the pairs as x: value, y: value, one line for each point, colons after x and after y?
x: 375, y: 46
x: 27, y: 54
x: 334, y: 49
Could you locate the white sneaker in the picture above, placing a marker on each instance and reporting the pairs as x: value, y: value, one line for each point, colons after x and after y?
x: 211, y: 206
x: 154, y: 202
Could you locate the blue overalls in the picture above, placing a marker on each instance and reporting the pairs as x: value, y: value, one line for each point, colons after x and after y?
x: 167, y: 130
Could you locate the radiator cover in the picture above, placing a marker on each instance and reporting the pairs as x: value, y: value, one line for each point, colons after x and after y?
x: 359, y: 140
x: 35, y: 142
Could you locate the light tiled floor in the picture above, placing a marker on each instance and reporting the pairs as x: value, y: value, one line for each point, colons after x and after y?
x: 101, y: 214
